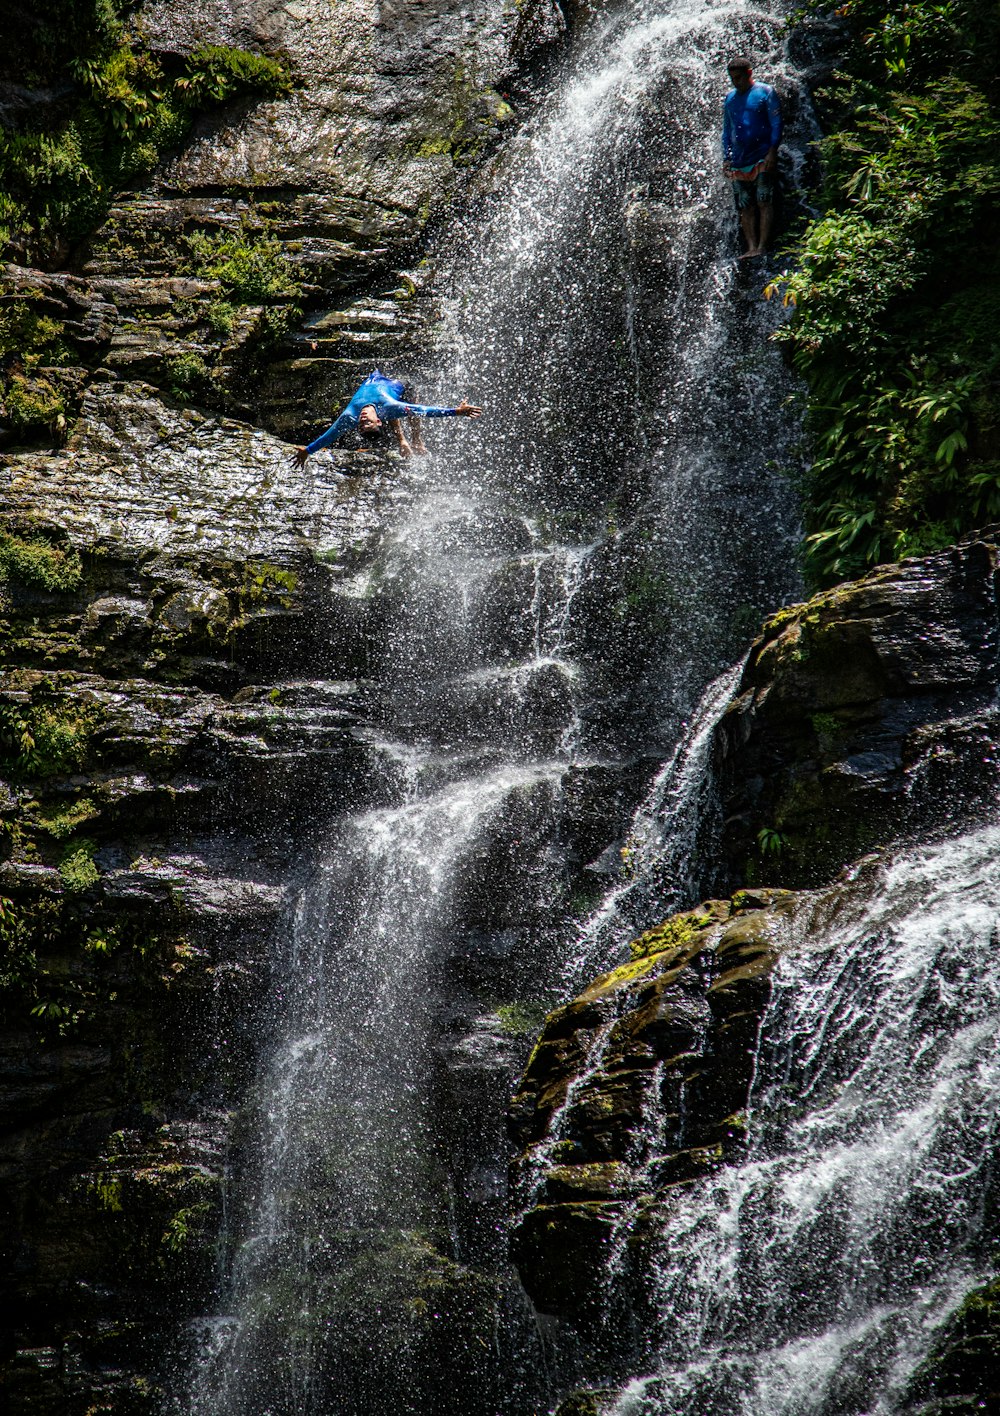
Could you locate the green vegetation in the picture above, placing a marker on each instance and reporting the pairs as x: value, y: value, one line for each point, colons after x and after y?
x: 35, y: 561
x: 61, y: 821
x: 77, y: 869
x: 771, y: 842
x: 251, y: 268
x: 187, y: 376
x: 675, y: 933
x: 119, y: 109
x: 42, y: 740
x: 521, y: 1019
x: 897, y: 289
x: 263, y: 582
x: 31, y: 337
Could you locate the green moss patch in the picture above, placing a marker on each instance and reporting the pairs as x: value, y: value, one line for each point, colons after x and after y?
x: 37, y: 562
x: 677, y: 932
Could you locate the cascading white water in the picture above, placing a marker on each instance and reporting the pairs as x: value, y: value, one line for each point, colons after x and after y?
x: 344, y: 1169
x: 545, y: 632
x: 660, y: 854
x: 810, y: 1278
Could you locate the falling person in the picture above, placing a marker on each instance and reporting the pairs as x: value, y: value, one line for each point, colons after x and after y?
x: 379, y: 401
x: 751, y: 132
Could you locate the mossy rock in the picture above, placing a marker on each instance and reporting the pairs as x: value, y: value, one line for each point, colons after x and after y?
x: 962, y: 1374
x: 586, y: 1402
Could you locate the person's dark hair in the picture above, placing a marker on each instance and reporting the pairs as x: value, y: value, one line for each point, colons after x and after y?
x: 740, y: 63
x: 370, y: 434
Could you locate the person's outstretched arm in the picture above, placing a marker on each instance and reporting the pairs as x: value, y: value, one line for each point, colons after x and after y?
x: 394, y: 409
x: 343, y: 424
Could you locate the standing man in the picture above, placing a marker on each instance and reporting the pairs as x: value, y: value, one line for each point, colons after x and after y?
x: 751, y: 132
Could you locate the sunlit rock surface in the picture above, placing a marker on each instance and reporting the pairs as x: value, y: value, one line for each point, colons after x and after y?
x: 865, y: 718
x: 866, y: 715
x: 637, y: 1085
x: 187, y: 623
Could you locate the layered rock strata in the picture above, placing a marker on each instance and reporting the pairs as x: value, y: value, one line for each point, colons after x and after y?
x: 637, y: 1085
x: 866, y: 715
x: 188, y: 625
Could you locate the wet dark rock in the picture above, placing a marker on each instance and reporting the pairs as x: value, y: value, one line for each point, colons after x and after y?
x: 962, y: 1373
x: 864, y: 716
x: 672, y: 1036
x: 586, y: 1403
x: 186, y: 627
x: 145, y: 865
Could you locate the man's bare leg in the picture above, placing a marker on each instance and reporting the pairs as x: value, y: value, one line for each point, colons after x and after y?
x: 416, y: 435
x: 766, y: 218
x: 405, y: 450
x: 748, y: 221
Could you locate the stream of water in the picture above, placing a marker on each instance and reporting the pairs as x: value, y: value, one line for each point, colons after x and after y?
x: 811, y: 1278
x: 570, y: 575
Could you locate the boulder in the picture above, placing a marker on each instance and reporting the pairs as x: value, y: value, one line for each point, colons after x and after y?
x: 864, y: 716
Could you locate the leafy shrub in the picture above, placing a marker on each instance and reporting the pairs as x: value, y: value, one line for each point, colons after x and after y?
x: 31, y: 405
x: 35, y: 561
x: 77, y: 869
x: 252, y: 269
x: 38, y: 740
x: 897, y: 292
x: 187, y: 376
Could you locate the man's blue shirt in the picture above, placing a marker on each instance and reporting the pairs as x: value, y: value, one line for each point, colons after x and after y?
x: 385, y: 397
x: 751, y: 125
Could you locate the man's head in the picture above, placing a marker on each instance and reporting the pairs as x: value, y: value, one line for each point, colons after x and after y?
x: 740, y: 73
x: 369, y: 422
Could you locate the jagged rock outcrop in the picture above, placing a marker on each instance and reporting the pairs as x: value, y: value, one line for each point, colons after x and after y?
x: 962, y: 1374
x: 637, y: 1085
x: 154, y: 769
x: 323, y: 197
x: 864, y: 716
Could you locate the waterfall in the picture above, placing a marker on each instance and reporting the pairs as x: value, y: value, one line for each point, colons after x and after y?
x: 811, y: 1278
x: 675, y: 823
x: 569, y: 575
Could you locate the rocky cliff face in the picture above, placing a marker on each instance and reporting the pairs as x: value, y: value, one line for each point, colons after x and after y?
x: 187, y: 624
x: 670, y: 1036
x: 863, y: 718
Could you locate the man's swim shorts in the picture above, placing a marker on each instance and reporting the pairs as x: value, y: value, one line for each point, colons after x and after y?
x: 752, y: 182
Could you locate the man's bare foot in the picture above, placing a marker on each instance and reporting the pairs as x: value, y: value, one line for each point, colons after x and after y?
x: 405, y: 450
x: 750, y: 255
x: 420, y: 448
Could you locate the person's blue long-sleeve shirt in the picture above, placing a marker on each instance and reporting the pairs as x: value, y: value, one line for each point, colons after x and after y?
x: 385, y: 396
x: 751, y: 125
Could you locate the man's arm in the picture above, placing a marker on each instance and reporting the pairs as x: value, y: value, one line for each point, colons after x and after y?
x: 405, y: 450
x: 394, y: 409
x: 341, y: 425
x: 774, y: 117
